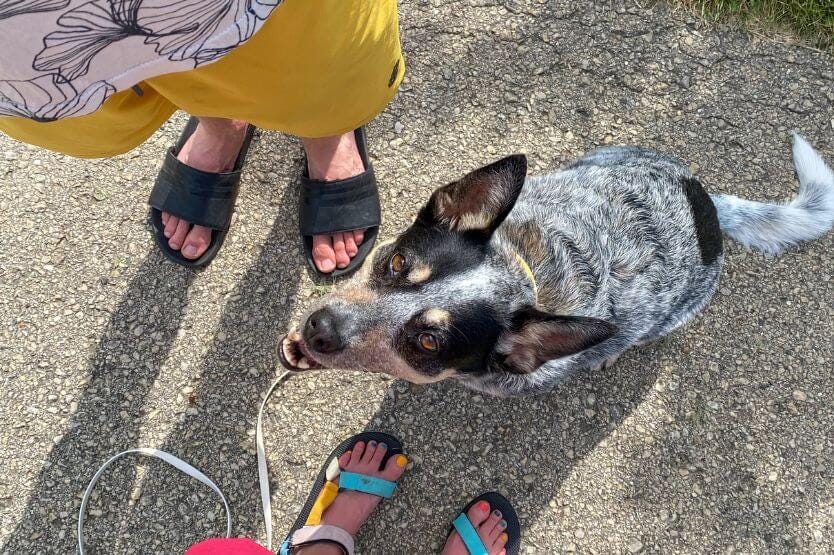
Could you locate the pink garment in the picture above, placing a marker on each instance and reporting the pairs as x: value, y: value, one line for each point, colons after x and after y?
x: 228, y: 546
x: 64, y: 58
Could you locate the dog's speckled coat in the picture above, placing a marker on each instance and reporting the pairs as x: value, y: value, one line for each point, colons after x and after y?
x: 624, y: 246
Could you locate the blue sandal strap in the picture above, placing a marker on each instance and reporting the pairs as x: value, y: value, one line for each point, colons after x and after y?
x: 366, y: 484
x: 470, y: 537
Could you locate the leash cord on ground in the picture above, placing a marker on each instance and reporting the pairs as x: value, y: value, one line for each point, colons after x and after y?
x: 184, y: 467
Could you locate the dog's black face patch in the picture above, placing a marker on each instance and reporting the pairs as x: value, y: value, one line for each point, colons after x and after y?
x: 453, y: 340
x: 424, y: 254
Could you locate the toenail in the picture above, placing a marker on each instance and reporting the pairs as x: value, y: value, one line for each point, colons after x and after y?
x: 402, y: 460
x: 372, y: 443
x: 190, y: 250
x: 483, y: 506
x: 383, y: 446
x: 496, y: 513
x: 167, y: 234
x: 504, y: 538
x: 502, y: 524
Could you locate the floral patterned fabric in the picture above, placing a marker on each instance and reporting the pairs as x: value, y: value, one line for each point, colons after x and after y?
x: 64, y: 58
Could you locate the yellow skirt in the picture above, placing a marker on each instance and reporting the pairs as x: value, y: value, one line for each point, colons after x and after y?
x: 316, y: 68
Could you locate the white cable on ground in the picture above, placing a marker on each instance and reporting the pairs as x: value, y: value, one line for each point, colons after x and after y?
x: 263, y: 470
x: 184, y: 467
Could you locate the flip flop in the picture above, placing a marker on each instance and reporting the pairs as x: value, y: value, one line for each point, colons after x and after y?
x: 201, y: 198
x: 469, y: 535
x: 307, y: 528
x: 329, y: 207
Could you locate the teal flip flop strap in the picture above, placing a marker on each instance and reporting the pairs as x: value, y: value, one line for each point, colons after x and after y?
x: 366, y: 484
x: 470, y: 537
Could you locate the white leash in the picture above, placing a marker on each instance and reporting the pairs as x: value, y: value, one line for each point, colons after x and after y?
x: 184, y: 467
x: 263, y: 471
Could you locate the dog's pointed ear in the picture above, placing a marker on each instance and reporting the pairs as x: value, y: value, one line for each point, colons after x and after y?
x: 480, y: 201
x: 535, y: 337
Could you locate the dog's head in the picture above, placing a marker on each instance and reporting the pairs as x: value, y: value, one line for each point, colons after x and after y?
x: 438, y: 301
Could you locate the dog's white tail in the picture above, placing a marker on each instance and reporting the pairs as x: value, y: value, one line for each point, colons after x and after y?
x: 772, y: 228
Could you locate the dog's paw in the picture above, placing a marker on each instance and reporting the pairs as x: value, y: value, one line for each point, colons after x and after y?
x: 606, y: 363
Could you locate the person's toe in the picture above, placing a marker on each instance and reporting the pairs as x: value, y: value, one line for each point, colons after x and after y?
x: 394, y: 468
x: 164, y: 218
x: 196, y: 242
x: 478, y: 513
x: 370, y: 450
x: 356, y: 453
x: 496, y: 531
x: 323, y: 254
x: 486, y: 528
x: 344, y: 459
x: 498, y: 544
x: 358, y: 236
x: 171, y: 223
x: 176, y: 240
x: 350, y: 244
x: 376, y: 460
x: 342, y: 258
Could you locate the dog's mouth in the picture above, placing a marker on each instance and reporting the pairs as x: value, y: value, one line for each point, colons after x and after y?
x: 294, y: 354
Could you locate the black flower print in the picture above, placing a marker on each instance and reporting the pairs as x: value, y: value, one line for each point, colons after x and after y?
x: 70, y: 62
x: 183, y: 31
x: 199, y: 31
x: 49, y: 97
x: 88, y: 30
x: 11, y: 8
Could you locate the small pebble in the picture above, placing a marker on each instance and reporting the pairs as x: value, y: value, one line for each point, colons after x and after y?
x: 635, y: 546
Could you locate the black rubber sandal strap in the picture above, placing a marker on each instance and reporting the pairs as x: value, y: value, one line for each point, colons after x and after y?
x: 195, y: 196
x: 343, y: 205
x: 199, y: 197
x: 394, y: 448
x: 508, y: 513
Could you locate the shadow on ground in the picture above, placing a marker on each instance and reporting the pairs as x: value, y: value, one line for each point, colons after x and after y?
x: 716, y: 439
x: 212, y: 434
x: 463, y: 443
x: 122, y: 372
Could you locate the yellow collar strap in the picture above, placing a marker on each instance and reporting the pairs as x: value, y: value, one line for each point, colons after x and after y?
x: 529, y: 273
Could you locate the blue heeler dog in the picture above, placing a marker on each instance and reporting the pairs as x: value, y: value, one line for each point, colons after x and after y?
x: 509, y: 284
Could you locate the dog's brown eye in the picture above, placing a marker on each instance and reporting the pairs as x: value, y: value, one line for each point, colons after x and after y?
x: 428, y: 342
x: 397, y: 263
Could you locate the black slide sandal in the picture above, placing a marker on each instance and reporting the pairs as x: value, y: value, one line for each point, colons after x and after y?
x: 394, y: 448
x: 343, y: 205
x: 201, y: 198
x: 496, y: 501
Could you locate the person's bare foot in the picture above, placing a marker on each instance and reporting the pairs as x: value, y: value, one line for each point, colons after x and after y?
x: 213, y: 147
x: 329, y: 159
x: 490, y: 526
x: 351, y: 509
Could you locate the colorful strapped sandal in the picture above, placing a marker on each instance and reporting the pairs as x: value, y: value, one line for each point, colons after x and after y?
x: 307, y: 528
x: 469, y: 535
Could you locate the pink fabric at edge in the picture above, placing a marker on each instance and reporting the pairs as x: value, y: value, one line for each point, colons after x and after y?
x: 227, y: 546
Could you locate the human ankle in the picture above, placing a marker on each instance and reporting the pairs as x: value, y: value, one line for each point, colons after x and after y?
x: 222, y: 125
x: 320, y: 548
x: 332, y: 158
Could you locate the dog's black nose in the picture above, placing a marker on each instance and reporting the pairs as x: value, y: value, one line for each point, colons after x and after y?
x: 321, y: 332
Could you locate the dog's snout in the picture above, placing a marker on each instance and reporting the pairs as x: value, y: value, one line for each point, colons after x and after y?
x: 321, y: 332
